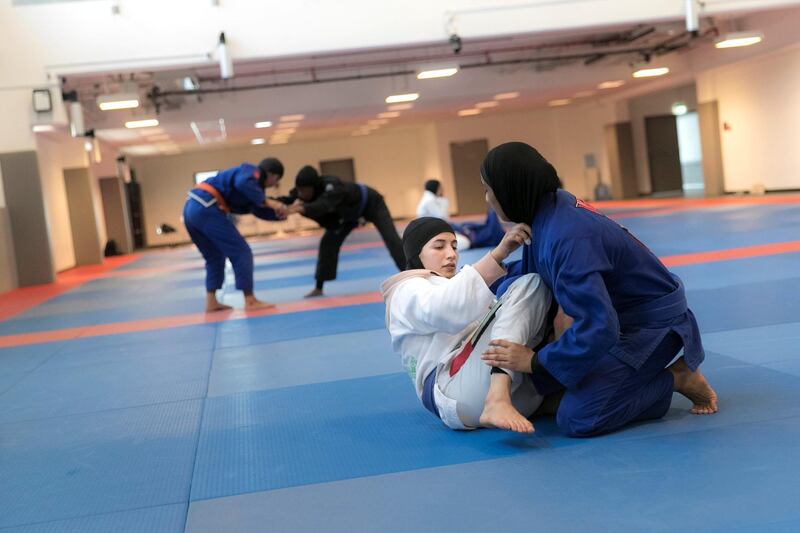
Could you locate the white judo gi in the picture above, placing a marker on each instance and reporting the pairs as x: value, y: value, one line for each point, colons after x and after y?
x: 430, y: 317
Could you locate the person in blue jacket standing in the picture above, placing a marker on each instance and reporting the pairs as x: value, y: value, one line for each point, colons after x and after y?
x: 238, y: 190
x: 630, y: 315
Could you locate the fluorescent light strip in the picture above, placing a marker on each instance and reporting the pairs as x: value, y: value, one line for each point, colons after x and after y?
x: 258, y: 141
x: 611, y: 84
x: 265, y: 124
x: 145, y: 123
x: 43, y: 128
x: 738, y: 42
x: 469, y: 112
x: 559, y: 102
x: 120, y: 104
x: 487, y: 105
x: 397, y: 98
x: 437, y: 73
x: 506, y: 96
x: 650, y: 72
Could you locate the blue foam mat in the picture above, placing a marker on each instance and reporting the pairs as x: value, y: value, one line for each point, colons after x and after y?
x: 163, y: 519
x: 118, y: 460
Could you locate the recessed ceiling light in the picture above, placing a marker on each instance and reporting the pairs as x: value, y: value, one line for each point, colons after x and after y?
x: 400, y: 107
x: 738, y: 39
x: 265, y: 124
x: 144, y: 123
x: 559, y: 102
x: 650, y: 72
x: 679, y: 108
x: 487, y: 105
x: 389, y: 114
x: 437, y: 73
x: 292, y: 118
x: 110, y: 102
x: 397, y: 98
x: 258, y: 141
x: 469, y: 112
x: 611, y: 84
x: 506, y: 96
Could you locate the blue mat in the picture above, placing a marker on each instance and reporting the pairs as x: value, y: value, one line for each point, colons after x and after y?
x: 97, y: 463
x: 164, y: 519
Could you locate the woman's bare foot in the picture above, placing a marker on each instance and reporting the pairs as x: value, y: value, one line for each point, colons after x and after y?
x: 213, y: 305
x: 502, y: 415
x: 314, y: 293
x: 251, y: 303
x: 694, y: 386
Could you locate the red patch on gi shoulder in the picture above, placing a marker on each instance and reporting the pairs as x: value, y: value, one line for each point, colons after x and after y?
x: 256, y: 173
x: 588, y: 207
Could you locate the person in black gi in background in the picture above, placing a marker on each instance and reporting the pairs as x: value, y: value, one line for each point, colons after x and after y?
x: 337, y: 206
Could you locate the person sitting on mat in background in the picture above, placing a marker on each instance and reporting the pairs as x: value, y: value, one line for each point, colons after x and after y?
x: 468, y: 234
x: 631, y: 318
x: 237, y: 190
x: 441, y: 321
x: 337, y: 207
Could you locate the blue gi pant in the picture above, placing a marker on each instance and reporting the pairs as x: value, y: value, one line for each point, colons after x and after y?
x: 614, y: 394
x: 217, y: 238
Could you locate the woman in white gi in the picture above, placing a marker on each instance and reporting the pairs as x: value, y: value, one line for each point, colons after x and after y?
x: 441, y: 321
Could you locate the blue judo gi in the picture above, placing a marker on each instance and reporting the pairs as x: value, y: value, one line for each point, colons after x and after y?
x: 213, y: 231
x: 630, y: 318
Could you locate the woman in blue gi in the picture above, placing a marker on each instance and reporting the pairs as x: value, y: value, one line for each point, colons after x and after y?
x: 630, y: 313
x: 237, y: 190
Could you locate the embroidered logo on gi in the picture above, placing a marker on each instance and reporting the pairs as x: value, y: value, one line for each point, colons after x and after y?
x: 588, y: 207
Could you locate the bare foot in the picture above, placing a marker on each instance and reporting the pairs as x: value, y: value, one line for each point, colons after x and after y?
x: 314, y: 293
x: 502, y: 415
x: 253, y: 304
x: 216, y: 306
x: 694, y: 386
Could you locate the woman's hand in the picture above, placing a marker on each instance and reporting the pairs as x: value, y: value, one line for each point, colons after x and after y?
x: 281, y: 211
x: 514, y: 238
x: 508, y: 355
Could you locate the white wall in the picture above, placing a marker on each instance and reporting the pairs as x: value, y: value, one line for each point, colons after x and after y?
x: 760, y: 101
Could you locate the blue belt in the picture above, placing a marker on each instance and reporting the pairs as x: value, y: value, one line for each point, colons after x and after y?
x: 427, y: 393
x: 363, y: 204
x: 666, y: 307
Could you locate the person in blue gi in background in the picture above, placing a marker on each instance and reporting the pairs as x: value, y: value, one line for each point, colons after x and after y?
x: 238, y: 190
x: 338, y: 207
x: 630, y: 313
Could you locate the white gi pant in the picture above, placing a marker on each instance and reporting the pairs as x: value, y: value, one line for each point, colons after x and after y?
x: 521, y: 319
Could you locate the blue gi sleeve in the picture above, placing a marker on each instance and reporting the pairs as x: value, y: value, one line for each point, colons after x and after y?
x: 579, y: 288
x: 246, y: 182
x: 513, y: 271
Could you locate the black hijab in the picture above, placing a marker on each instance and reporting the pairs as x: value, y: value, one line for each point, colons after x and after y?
x: 519, y: 177
x: 432, y: 186
x: 417, y: 235
x: 308, y: 177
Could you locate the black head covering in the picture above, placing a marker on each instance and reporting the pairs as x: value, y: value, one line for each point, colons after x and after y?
x: 433, y: 186
x: 417, y: 235
x: 269, y: 165
x: 308, y: 177
x: 519, y: 177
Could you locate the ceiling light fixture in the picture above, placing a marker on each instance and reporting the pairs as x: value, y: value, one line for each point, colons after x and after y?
x: 430, y: 74
x: 469, y: 112
x: 43, y: 128
x: 650, y: 72
x: 506, y: 96
x: 487, y: 105
x: 144, y: 123
x: 110, y: 102
x: 389, y: 114
x: 559, y: 102
x: 258, y: 141
x: 738, y: 39
x: 611, y: 84
x: 264, y: 124
x: 292, y: 118
x: 397, y: 98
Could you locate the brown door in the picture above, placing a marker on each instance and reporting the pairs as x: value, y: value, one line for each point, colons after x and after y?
x: 663, y: 155
x: 85, y: 239
x: 341, y: 168
x: 467, y: 158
